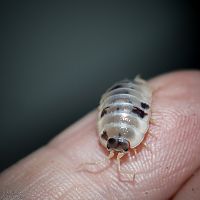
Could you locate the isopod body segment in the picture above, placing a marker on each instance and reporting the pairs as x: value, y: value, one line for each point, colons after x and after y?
x: 124, y: 115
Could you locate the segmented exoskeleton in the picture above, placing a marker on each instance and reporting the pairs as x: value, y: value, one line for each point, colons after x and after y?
x: 124, y: 116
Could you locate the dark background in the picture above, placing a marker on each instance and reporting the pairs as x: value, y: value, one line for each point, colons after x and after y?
x: 57, y: 58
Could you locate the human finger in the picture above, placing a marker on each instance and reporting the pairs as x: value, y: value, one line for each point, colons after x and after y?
x: 50, y: 172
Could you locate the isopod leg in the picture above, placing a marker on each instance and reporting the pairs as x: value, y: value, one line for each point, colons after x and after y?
x: 111, y: 154
x: 119, y: 156
x: 135, y: 151
x: 151, y: 134
x: 152, y: 121
x: 146, y: 146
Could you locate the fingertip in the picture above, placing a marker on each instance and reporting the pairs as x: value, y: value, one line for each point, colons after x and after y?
x: 173, y: 159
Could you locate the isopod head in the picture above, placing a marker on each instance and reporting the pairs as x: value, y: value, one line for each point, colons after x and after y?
x: 118, y: 143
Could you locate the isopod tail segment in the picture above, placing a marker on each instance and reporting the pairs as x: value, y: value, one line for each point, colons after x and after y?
x: 80, y: 167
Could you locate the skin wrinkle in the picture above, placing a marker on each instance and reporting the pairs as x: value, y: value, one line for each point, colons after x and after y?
x: 67, y: 192
x: 190, y: 188
x: 54, y: 184
x: 17, y: 186
x: 178, y: 170
x: 36, y: 185
x: 52, y: 167
x: 121, y: 190
x: 49, y: 176
x: 70, y: 188
x: 20, y: 172
x: 108, y: 186
x: 68, y: 178
x: 138, y: 165
x: 169, y: 149
x: 97, y: 188
x: 74, y: 192
x: 92, y: 183
x: 181, y: 187
x: 88, y: 181
x: 111, y: 186
x: 46, y: 180
x: 92, y: 193
x: 187, y: 180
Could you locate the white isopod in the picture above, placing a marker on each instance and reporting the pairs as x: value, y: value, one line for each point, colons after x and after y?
x: 124, y: 116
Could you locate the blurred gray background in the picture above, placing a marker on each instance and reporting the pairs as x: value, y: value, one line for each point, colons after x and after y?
x: 57, y: 58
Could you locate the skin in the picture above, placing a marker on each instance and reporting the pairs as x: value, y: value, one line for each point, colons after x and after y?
x: 169, y: 170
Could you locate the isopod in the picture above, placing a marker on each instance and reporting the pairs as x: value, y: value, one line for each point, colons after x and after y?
x: 124, y: 116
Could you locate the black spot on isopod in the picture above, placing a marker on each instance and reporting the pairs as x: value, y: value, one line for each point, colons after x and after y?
x: 144, y: 105
x: 104, y: 135
x: 112, y: 143
x: 139, y: 112
x: 117, y: 108
x: 104, y: 111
